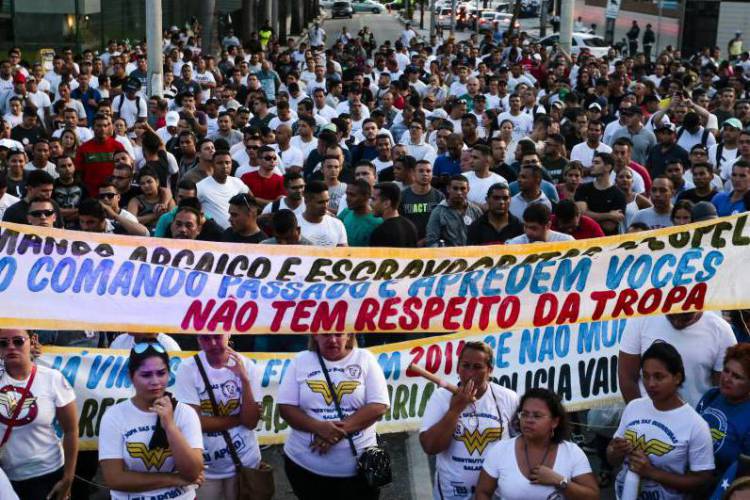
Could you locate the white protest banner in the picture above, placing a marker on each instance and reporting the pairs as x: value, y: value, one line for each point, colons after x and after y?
x: 579, y: 362
x: 52, y: 279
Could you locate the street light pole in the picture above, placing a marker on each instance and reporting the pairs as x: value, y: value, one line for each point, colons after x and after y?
x: 453, y: 18
x: 154, y: 53
x: 658, y: 28
x: 566, y: 25
x: 432, y: 18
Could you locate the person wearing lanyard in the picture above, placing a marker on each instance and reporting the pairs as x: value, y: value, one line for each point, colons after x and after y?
x: 37, y: 463
x: 462, y: 428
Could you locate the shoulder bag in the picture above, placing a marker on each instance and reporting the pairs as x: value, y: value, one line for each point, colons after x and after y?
x: 16, y: 410
x: 252, y: 483
x: 374, y: 465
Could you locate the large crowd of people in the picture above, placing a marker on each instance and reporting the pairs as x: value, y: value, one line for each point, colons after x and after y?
x: 344, y: 140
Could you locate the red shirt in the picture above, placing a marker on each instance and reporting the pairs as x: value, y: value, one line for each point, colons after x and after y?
x: 268, y: 188
x: 587, y: 228
x: 636, y: 167
x: 95, y: 161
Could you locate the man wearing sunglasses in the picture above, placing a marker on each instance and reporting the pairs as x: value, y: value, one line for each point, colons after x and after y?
x: 41, y: 213
x: 265, y: 184
x: 39, y: 184
x: 118, y: 218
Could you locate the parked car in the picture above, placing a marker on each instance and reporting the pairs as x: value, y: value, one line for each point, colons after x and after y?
x: 488, y: 19
x: 395, y: 5
x: 326, y: 4
x: 444, y: 18
x: 342, y: 9
x: 368, y: 6
x: 595, y: 45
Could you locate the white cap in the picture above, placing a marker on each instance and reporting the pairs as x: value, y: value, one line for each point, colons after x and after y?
x: 172, y: 118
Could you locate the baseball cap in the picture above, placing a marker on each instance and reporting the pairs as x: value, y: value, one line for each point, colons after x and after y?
x: 732, y: 122
x: 665, y: 126
x: 132, y: 85
x: 19, y: 78
x: 595, y: 105
x: 704, y: 210
x: 234, y: 106
x: 172, y: 118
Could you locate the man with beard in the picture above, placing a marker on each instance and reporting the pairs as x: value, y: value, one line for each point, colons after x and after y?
x: 497, y: 224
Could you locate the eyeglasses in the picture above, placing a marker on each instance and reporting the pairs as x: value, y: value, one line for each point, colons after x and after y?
x: 526, y: 415
x: 107, y: 196
x: 41, y: 213
x: 16, y: 341
x: 142, y: 347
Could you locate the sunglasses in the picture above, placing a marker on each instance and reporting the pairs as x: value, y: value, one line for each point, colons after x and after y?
x: 16, y: 341
x: 142, y: 347
x: 41, y: 213
x: 108, y: 196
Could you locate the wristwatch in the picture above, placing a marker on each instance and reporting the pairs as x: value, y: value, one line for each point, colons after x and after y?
x: 563, y: 484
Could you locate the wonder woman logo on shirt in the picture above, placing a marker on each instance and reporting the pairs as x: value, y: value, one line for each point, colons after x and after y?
x: 10, y: 395
x: 655, y: 447
x: 478, y: 441
x: 152, y: 459
x: 342, y: 388
x: 225, y: 409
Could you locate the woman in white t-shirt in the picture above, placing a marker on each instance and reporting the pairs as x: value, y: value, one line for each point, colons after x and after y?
x: 539, y: 464
x: 661, y: 438
x: 318, y: 458
x: 37, y: 462
x: 461, y: 429
x: 150, y: 444
x: 235, y: 383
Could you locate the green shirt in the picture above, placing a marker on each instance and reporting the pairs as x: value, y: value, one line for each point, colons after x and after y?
x: 359, y: 227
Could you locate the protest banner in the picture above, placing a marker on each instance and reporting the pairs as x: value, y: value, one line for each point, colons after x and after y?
x: 578, y: 362
x: 104, y: 282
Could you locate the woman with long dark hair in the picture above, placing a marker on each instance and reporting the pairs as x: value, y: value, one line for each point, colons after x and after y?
x: 150, y: 444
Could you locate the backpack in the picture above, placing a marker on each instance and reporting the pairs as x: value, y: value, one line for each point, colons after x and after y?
x: 719, y: 157
x: 137, y: 106
x: 704, y: 137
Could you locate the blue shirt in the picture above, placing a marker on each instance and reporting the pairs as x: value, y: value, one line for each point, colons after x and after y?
x: 444, y: 165
x: 724, y: 205
x: 729, y: 424
x: 547, y: 188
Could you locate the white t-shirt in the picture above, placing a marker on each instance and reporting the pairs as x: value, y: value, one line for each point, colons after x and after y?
x: 49, y: 168
x: 330, y: 232
x: 215, y: 197
x: 519, y: 204
x: 478, y: 187
x: 6, y: 489
x: 551, y: 236
x: 83, y: 133
x: 502, y: 464
x: 523, y: 124
x: 676, y: 441
x: 227, y: 388
x: 127, y: 341
x: 124, y: 435
x: 358, y: 380
x: 583, y: 153
x: 5, y: 201
x: 305, y: 147
x: 33, y: 448
x: 702, y: 346
x: 480, y: 427
x: 292, y: 157
x: 130, y: 110
x: 283, y: 204
x: 727, y: 159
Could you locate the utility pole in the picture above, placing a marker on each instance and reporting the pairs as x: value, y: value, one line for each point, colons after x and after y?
x: 566, y: 25
x: 453, y: 18
x: 154, y: 53
x: 658, y: 30
x: 432, y: 19
x: 543, y: 19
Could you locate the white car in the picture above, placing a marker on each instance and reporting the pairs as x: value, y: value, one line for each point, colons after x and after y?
x: 596, y: 45
x: 488, y: 19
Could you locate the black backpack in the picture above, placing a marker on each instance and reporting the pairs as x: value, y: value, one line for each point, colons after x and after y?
x: 704, y: 137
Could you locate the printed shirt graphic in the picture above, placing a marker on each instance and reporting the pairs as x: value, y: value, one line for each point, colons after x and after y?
x: 730, y: 427
x: 676, y: 441
x: 33, y: 448
x: 357, y: 380
x: 227, y: 388
x: 125, y: 433
x: 478, y: 430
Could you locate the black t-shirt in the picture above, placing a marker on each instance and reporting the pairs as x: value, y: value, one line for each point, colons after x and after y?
x: 26, y: 136
x: 396, y: 232
x: 555, y: 167
x: 602, y: 201
x: 691, y: 195
x: 17, y: 188
x: 418, y: 207
x: 128, y: 195
x: 481, y: 232
x: 229, y: 236
x: 505, y: 171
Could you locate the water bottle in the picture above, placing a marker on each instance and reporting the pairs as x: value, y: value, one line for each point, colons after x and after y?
x: 630, y: 486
